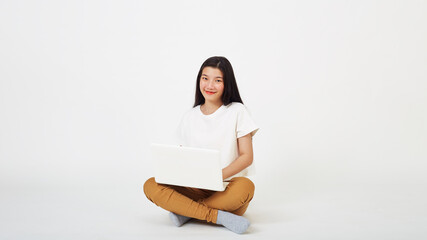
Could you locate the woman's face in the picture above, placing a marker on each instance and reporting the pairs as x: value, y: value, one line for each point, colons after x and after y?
x: 212, y: 84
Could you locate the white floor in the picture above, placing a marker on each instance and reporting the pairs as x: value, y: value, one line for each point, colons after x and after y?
x: 353, y: 212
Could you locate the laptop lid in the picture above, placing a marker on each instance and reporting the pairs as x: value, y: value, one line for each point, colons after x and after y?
x: 187, y: 166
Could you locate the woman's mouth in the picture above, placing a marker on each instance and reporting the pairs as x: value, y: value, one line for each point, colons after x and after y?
x: 210, y: 93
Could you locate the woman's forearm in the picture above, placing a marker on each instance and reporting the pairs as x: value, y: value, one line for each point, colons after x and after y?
x: 242, y: 162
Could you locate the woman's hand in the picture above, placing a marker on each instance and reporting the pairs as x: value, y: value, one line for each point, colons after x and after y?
x: 245, y: 157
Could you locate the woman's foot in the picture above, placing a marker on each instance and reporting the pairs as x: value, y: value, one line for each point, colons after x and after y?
x: 233, y: 222
x: 178, y: 220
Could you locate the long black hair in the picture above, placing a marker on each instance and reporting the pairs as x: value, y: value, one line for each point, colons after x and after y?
x: 231, y: 92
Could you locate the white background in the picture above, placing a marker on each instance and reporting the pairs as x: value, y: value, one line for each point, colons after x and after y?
x: 338, y: 89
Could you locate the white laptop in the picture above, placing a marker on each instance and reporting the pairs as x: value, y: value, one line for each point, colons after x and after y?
x: 188, y: 167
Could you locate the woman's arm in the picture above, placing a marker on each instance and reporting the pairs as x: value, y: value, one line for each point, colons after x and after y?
x: 244, y: 160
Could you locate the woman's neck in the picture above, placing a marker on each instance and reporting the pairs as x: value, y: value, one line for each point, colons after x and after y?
x: 210, y: 107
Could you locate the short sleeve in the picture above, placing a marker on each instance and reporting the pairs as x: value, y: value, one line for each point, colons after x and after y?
x: 180, y: 132
x: 245, y: 123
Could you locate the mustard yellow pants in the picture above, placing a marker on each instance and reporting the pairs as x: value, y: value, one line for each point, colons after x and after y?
x: 200, y: 203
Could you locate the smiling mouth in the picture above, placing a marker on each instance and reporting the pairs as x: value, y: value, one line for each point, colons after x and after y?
x: 210, y: 93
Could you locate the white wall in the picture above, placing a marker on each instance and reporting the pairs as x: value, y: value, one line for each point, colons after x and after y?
x: 337, y: 87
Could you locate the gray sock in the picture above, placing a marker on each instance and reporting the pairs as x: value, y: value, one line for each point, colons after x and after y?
x: 233, y: 222
x: 177, y: 219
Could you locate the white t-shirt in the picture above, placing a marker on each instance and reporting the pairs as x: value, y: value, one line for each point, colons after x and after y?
x: 219, y: 130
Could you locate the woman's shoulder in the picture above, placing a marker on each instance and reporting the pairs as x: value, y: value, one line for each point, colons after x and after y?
x: 236, y: 107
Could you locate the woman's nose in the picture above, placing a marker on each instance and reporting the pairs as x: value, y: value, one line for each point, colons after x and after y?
x: 210, y: 84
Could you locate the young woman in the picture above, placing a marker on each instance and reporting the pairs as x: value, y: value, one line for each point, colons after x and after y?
x: 218, y: 120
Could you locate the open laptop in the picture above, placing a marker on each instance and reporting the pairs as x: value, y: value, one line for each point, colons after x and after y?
x: 188, y: 167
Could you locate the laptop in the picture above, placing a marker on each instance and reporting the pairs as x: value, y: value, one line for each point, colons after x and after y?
x: 187, y: 167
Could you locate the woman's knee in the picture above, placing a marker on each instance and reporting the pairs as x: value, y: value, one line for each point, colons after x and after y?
x: 242, y: 189
x: 244, y: 184
x: 149, y: 185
